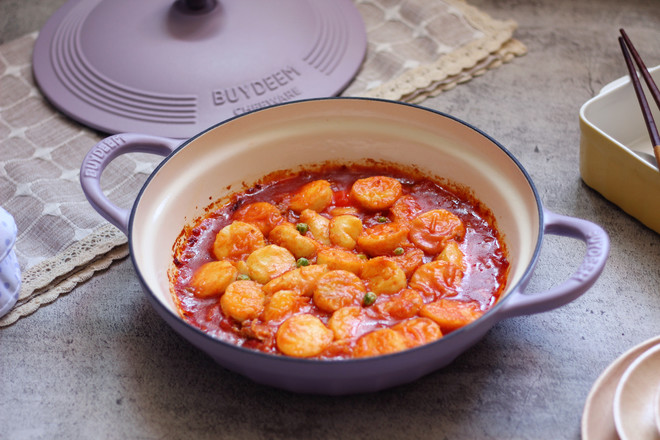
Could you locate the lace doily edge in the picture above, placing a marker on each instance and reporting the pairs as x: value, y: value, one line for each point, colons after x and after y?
x: 64, y: 284
x: 497, y: 43
x: 50, y: 271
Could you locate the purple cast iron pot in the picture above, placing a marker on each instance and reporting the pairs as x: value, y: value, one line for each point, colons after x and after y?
x: 218, y: 160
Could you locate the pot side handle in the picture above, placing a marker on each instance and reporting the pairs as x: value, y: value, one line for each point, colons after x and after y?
x: 100, y: 156
x: 598, y: 245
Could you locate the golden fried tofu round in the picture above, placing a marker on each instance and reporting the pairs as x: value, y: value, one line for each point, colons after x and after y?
x: 319, y: 225
x: 453, y: 254
x: 287, y: 236
x: 237, y: 240
x: 303, y: 336
x: 269, y: 262
x: 418, y: 331
x: 263, y: 215
x: 376, y: 192
x: 211, y: 279
x: 383, y: 239
x: 345, y: 321
x: 379, y: 342
x: 450, y: 314
x: 436, y: 279
x: 405, y: 209
x: 282, y: 304
x: 383, y: 275
x: 315, y: 195
x: 433, y: 229
x: 344, y: 231
x: 402, y: 305
x: 410, y: 260
x: 337, y: 289
x: 338, y: 259
x: 243, y: 300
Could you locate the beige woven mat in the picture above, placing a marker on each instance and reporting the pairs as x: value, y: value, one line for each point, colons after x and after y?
x: 416, y: 49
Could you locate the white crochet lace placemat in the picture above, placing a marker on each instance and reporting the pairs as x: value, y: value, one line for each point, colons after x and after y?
x: 416, y: 49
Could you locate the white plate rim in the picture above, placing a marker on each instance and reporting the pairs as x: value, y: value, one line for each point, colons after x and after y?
x: 632, y: 372
x: 605, y: 387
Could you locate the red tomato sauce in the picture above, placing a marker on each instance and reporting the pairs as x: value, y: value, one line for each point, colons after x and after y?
x: 485, y: 266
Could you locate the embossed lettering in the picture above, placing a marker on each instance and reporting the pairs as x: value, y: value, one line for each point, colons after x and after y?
x: 592, y: 258
x: 102, y: 150
x: 285, y: 96
x: 245, y: 92
x: 231, y: 94
x: 280, y: 78
x: 256, y: 88
x: 270, y: 83
x: 290, y: 73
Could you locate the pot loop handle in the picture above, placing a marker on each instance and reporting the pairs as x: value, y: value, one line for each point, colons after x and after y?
x: 598, y: 245
x: 100, y: 156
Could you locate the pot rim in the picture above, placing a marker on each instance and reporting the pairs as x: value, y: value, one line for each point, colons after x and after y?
x: 490, y: 315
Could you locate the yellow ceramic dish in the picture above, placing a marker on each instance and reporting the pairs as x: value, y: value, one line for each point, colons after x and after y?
x: 616, y: 156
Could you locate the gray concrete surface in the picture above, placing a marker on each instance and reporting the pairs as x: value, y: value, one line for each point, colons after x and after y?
x: 99, y: 363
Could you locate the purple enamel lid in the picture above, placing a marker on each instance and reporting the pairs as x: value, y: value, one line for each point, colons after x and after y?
x: 174, y: 68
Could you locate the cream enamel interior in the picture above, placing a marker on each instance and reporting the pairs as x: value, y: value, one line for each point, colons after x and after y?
x: 286, y: 137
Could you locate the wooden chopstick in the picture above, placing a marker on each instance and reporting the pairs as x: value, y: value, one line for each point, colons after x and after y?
x: 642, y: 68
x: 626, y: 44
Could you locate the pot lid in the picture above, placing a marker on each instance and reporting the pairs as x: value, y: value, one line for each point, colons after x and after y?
x: 174, y: 68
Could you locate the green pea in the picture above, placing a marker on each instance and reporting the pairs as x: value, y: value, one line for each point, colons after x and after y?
x: 398, y: 251
x: 381, y: 219
x: 369, y: 298
x: 243, y: 276
x: 302, y: 262
x: 302, y: 228
x: 363, y: 257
